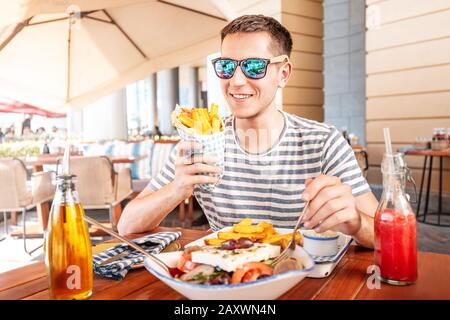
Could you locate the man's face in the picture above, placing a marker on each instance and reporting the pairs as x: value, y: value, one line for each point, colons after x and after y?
x: 247, y: 97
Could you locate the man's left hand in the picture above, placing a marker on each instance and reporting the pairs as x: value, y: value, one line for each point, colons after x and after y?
x: 332, y: 206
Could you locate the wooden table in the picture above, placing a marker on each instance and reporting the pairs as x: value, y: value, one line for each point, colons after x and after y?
x: 37, y: 163
x: 348, y: 280
x: 430, y: 154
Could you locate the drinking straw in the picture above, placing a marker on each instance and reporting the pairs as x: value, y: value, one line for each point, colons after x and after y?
x: 388, y: 146
x: 66, y: 159
x: 387, y: 141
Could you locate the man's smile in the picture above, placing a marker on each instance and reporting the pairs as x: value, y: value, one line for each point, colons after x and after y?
x: 240, y: 96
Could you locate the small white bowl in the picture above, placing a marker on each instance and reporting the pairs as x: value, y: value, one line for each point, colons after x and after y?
x: 317, y: 244
x: 267, y: 288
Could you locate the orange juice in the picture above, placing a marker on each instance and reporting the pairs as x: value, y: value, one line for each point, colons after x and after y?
x: 68, y: 254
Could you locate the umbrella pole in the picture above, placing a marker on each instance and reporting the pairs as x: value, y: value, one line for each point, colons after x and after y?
x: 69, y: 36
x: 68, y: 113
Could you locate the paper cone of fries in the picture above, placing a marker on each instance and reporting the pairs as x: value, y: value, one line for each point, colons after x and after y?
x: 197, y: 124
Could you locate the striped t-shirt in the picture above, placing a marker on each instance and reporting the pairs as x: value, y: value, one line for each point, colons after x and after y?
x: 268, y: 186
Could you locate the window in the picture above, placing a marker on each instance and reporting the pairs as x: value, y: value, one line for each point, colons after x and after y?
x: 140, y: 106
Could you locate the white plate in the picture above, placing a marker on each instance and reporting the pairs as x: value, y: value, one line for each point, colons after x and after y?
x: 267, y: 288
x: 323, y: 265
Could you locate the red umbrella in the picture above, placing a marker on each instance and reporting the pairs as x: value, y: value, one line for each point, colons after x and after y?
x: 19, y: 107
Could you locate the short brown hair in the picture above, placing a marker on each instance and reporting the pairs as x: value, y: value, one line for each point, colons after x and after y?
x: 280, y: 36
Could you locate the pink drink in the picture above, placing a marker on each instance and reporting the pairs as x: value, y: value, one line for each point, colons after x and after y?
x: 395, y: 246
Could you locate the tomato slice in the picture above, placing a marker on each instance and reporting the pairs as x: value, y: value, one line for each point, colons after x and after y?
x: 251, y: 275
x: 185, y: 263
x: 263, y: 268
x: 238, y: 275
x: 251, y: 271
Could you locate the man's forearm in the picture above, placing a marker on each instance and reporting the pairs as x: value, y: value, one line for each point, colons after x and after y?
x: 365, y: 235
x: 366, y: 205
x: 146, y: 213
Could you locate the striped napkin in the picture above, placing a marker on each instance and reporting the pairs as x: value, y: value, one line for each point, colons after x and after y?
x: 118, y: 269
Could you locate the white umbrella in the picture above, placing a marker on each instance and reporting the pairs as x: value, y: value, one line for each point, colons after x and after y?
x: 53, y: 54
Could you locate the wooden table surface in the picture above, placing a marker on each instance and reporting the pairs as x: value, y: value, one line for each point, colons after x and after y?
x: 429, y: 153
x: 347, y: 281
x: 38, y: 162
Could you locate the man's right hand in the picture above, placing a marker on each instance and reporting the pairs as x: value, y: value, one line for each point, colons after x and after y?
x: 188, y: 169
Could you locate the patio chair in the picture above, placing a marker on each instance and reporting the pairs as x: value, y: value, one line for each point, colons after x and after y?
x: 99, y: 186
x: 18, y: 194
x: 362, y: 158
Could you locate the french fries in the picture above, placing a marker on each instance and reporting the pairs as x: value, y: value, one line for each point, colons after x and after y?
x: 188, y: 122
x: 234, y: 235
x: 268, y: 228
x: 262, y: 232
x: 214, y: 241
x: 278, y: 239
x: 202, y: 121
x: 248, y: 229
x: 245, y: 222
x: 214, y: 110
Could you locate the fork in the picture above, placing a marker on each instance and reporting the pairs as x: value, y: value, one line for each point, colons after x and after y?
x: 128, y: 242
x: 290, y: 248
x: 115, y: 258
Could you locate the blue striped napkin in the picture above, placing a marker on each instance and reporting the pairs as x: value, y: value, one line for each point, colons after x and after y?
x: 118, y: 269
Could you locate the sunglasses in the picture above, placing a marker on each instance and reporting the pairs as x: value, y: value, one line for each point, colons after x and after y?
x: 253, y: 68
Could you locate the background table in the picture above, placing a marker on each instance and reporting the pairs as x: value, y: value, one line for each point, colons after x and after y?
x: 430, y: 154
x: 37, y: 163
x: 362, y: 157
x: 348, y: 280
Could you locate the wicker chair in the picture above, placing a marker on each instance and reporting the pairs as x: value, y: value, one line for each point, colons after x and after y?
x: 18, y: 194
x: 99, y: 186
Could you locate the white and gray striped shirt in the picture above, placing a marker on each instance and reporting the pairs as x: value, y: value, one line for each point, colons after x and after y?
x: 268, y: 186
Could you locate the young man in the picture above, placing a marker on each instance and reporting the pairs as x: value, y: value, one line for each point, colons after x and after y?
x: 274, y: 161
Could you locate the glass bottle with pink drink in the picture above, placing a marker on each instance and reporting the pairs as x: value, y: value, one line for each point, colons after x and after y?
x: 395, y: 226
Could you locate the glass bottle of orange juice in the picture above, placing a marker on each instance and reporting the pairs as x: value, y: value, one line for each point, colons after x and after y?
x: 68, y: 254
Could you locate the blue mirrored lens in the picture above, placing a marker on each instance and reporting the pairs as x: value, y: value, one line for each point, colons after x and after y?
x: 225, y: 68
x: 254, y: 68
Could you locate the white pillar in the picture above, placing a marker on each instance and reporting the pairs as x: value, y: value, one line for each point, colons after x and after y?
x: 153, y: 102
x: 167, y: 98
x: 188, y: 86
x: 106, y: 119
x: 74, y: 123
